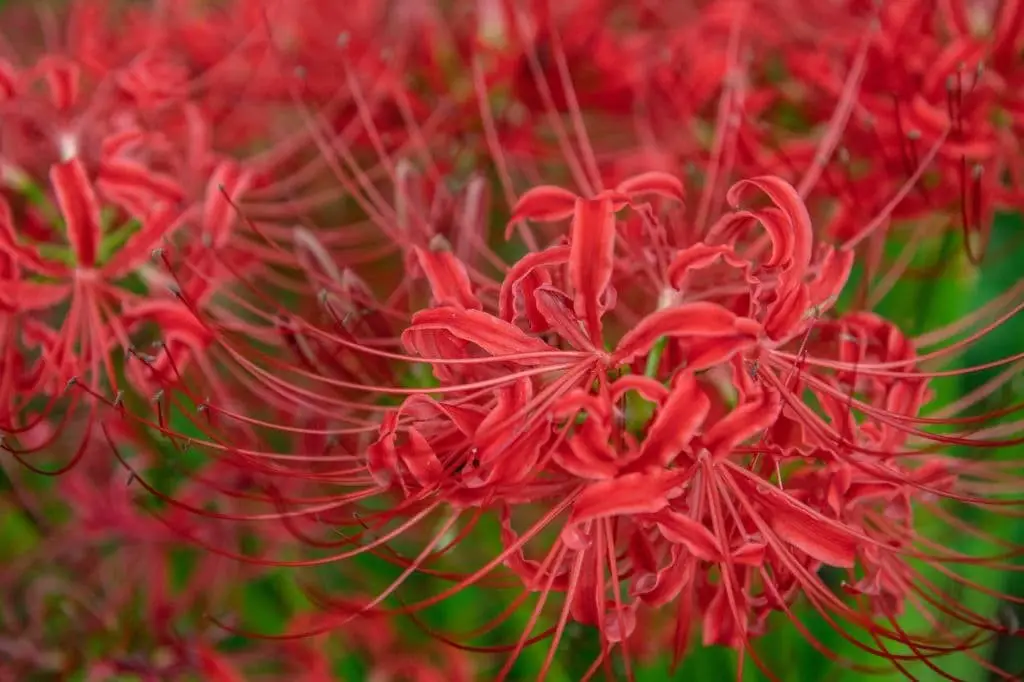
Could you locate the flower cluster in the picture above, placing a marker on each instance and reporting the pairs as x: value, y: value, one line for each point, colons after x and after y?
x: 623, y: 317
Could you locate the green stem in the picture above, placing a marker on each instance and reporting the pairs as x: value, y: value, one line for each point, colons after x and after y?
x: 654, y: 359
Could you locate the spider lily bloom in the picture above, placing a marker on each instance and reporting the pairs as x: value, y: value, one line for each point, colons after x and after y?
x: 535, y: 416
x: 934, y: 104
x: 80, y: 277
x: 662, y: 413
x: 460, y: 450
x: 102, y: 162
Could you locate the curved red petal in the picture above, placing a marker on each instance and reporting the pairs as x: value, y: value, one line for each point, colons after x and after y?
x: 592, y: 250
x: 543, y: 204
x: 698, y: 320
x: 786, y: 198
x: 80, y: 208
x: 448, y: 278
x: 653, y: 182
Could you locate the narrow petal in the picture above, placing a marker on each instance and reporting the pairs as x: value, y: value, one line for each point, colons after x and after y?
x: 543, y: 204
x: 156, y: 227
x: 420, y: 459
x: 749, y: 554
x: 466, y: 418
x: 555, y: 307
x: 448, y: 279
x: 833, y: 273
x: 626, y: 495
x: 592, y: 245
x: 381, y: 456
x: 742, y: 423
x: 699, y: 257
x: 63, y: 77
x: 532, y: 265
x: 653, y: 182
x: 788, y: 312
x: 786, y: 198
x: 26, y: 296
x: 134, y: 186
x: 495, y: 336
x: 697, y: 320
x: 680, y: 529
x: 675, y: 423
x: 586, y: 458
x: 9, y: 78
x: 80, y: 208
x: 820, y: 537
x: 649, y: 388
x: 24, y: 256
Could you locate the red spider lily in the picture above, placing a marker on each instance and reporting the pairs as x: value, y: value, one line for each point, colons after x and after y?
x: 534, y: 413
x: 661, y: 410
x: 933, y: 102
x: 127, y: 149
x: 85, y: 281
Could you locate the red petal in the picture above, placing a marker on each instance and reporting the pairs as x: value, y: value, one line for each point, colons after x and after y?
x: 675, y: 423
x: 135, y: 186
x: 510, y: 400
x: 174, y: 320
x: 529, y: 266
x: 81, y: 210
x: 786, y: 315
x: 448, y: 278
x: 587, y: 453
x: 833, y: 273
x: 698, y: 257
x: 682, y: 530
x: 701, y: 319
x: 586, y: 456
x: 544, y: 204
x: 64, y: 79
x: 721, y: 626
x: 23, y: 255
x: 381, y: 457
x: 554, y: 307
x: 650, y: 389
x: 744, y: 422
x: 495, y: 336
x: 820, y: 537
x: 466, y: 418
x: 121, y: 142
x: 421, y: 460
x: 155, y: 228
x: 626, y: 495
x: 475, y: 214
x: 668, y: 584
x: 527, y: 570
x: 784, y: 196
x: 25, y: 296
x: 653, y: 182
x: 707, y: 352
x: 8, y: 80
x: 749, y: 554
x: 592, y: 249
